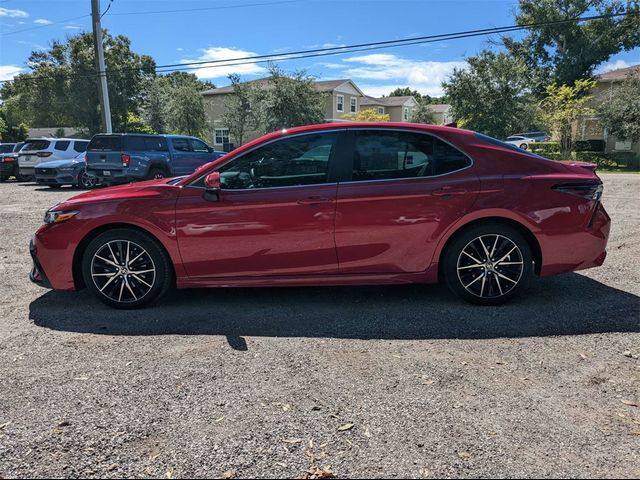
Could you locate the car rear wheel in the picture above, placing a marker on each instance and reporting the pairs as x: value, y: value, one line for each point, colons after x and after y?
x: 126, y: 269
x: 156, y: 173
x: 488, y: 264
x: 524, y: 146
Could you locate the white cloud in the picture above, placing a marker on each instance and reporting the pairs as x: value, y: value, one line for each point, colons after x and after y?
x: 222, y: 53
x: 73, y: 27
x: 43, y: 21
x: 424, y: 76
x: 331, y: 65
x: 7, y: 72
x: 618, y: 64
x: 7, y: 12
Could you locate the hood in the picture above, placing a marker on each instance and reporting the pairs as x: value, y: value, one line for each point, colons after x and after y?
x: 150, y: 188
x: 58, y: 163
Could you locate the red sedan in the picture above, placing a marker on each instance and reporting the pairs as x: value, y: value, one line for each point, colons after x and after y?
x: 334, y: 204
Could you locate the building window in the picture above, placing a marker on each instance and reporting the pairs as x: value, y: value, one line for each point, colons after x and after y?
x: 354, y: 104
x: 405, y: 113
x: 221, y: 136
x: 340, y: 103
x: 381, y: 110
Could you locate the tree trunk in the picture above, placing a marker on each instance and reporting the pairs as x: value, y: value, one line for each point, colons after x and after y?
x: 566, y: 142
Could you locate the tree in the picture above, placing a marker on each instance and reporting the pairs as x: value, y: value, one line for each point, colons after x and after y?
x: 566, y: 52
x: 423, y: 114
x: 407, y: 92
x: 239, y: 117
x: 135, y: 124
x: 494, y: 95
x: 621, y: 113
x: 563, y: 105
x: 154, y: 111
x: 367, y: 115
x: 187, y: 112
x: 290, y: 100
x: 62, y: 88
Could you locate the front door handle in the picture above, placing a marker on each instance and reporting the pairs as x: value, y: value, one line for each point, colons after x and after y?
x: 446, y: 191
x: 313, y: 201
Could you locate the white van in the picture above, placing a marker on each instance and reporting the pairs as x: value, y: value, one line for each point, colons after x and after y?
x: 37, y: 150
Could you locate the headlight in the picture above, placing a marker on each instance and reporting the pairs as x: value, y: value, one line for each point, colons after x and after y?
x: 58, y: 216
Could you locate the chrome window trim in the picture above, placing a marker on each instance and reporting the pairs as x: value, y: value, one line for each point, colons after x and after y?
x: 342, y: 129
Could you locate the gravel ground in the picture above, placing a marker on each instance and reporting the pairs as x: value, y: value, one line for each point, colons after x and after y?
x: 256, y: 383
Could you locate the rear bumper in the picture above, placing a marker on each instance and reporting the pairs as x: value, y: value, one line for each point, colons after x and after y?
x: 577, y: 250
x: 116, y: 175
x: 37, y: 274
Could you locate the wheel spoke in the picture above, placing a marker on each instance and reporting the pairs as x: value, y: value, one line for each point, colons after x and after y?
x: 113, y: 255
x: 107, y: 284
x: 141, y: 271
x: 509, y: 263
x: 108, y: 274
x: 466, y: 267
x: 140, y: 280
x: 484, y: 248
x: 471, y: 256
x: 474, y: 281
x: 506, y: 256
x: 108, y: 261
x: 121, y: 289
x: 505, y: 277
x: 126, y: 281
x: 484, y: 280
x: 499, y: 286
x: 493, y: 249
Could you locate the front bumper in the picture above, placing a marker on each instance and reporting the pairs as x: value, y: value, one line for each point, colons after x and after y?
x: 37, y: 274
x: 55, y: 177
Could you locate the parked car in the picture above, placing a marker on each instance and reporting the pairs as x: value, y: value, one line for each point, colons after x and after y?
x: 359, y: 203
x: 38, y: 150
x: 537, y: 136
x: 57, y: 173
x: 519, y: 141
x: 9, y: 161
x: 123, y: 158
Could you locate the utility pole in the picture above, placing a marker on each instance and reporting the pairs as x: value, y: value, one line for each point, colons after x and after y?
x: 102, y: 73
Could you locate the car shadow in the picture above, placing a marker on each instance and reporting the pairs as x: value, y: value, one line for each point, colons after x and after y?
x: 569, y: 304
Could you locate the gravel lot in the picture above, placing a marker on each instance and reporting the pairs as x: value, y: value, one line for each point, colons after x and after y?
x: 256, y: 383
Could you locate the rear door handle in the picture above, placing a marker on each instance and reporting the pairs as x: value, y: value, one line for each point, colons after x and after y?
x: 445, y: 191
x: 312, y: 201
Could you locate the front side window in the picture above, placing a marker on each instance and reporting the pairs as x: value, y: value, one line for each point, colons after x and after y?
x: 386, y: 155
x: 300, y: 160
x: 221, y: 136
x: 354, y: 104
x: 199, y: 146
x: 340, y: 103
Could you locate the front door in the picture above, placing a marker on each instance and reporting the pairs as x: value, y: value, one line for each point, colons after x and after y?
x: 273, y: 216
x: 405, y: 188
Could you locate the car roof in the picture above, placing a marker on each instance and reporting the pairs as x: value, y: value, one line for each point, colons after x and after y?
x: 53, y: 139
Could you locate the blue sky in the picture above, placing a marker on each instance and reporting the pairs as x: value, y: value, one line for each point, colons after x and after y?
x: 222, y: 29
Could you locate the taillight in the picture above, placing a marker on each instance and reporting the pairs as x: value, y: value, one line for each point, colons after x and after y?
x: 586, y: 190
x: 44, y: 154
x: 86, y: 158
x: 9, y: 159
x: 125, y: 159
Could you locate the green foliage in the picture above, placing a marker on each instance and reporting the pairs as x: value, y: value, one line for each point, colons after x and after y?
x: 239, y: 116
x: 62, y: 87
x: 621, y: 113
x: 135, y: 124
x: 407, y: 92
x: 563, y: 105
x: 494, y: 95
x: 290, y: 101
x: 566, y: 52
x: 367, y: 115
x: 543, y: 148
x: 617, y: 161
x: 174, y: 104
x: 423, y: 114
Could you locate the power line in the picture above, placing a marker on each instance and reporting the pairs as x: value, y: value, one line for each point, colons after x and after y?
x: 45, y: 26
x: 320, y: 52
x: 221, y: 7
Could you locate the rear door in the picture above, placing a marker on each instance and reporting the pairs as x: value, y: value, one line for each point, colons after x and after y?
x: 406, y: 188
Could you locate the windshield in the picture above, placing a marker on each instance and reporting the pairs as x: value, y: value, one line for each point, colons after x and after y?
x: 509, y: 146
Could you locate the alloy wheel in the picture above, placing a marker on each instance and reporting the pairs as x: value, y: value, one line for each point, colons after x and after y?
x: 123, y: 271
x: 87, y: 181
x: 490, y: 266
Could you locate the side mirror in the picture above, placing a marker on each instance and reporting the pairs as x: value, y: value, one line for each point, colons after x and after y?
x: 212, y: 181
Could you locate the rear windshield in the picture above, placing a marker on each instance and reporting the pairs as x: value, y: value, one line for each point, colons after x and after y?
x: 32, y: 145
x: 6, y: 148
x: 105, y: 143
x: 510, y: 146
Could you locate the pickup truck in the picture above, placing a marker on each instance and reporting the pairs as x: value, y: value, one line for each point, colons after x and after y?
x: 126, y: 157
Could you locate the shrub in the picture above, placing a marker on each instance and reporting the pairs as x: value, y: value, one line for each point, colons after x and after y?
x: 589, y: 146
x: 544, y: 148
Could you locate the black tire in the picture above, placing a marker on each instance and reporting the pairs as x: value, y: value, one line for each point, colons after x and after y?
x: 487, y: 279
x: 86, y: 181
x: 524, y: 146
x: 156, y: 173
x: 150, y: 289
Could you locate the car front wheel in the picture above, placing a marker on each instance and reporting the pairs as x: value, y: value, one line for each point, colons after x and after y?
x: 126, y: 269
x: 488, y: 264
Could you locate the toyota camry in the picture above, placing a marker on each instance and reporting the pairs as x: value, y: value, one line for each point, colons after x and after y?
x: 334, y: 204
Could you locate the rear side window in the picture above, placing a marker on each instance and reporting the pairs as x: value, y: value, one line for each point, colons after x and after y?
x: 181, y: 145
x: 36, y: 145
x: 386, y: 155
x: 156, y: 144
x: 80, y: 146
x: 105, y: 143
x: 62, y: 145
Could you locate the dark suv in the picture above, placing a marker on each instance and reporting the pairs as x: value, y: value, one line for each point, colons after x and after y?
x: 123, y: 157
